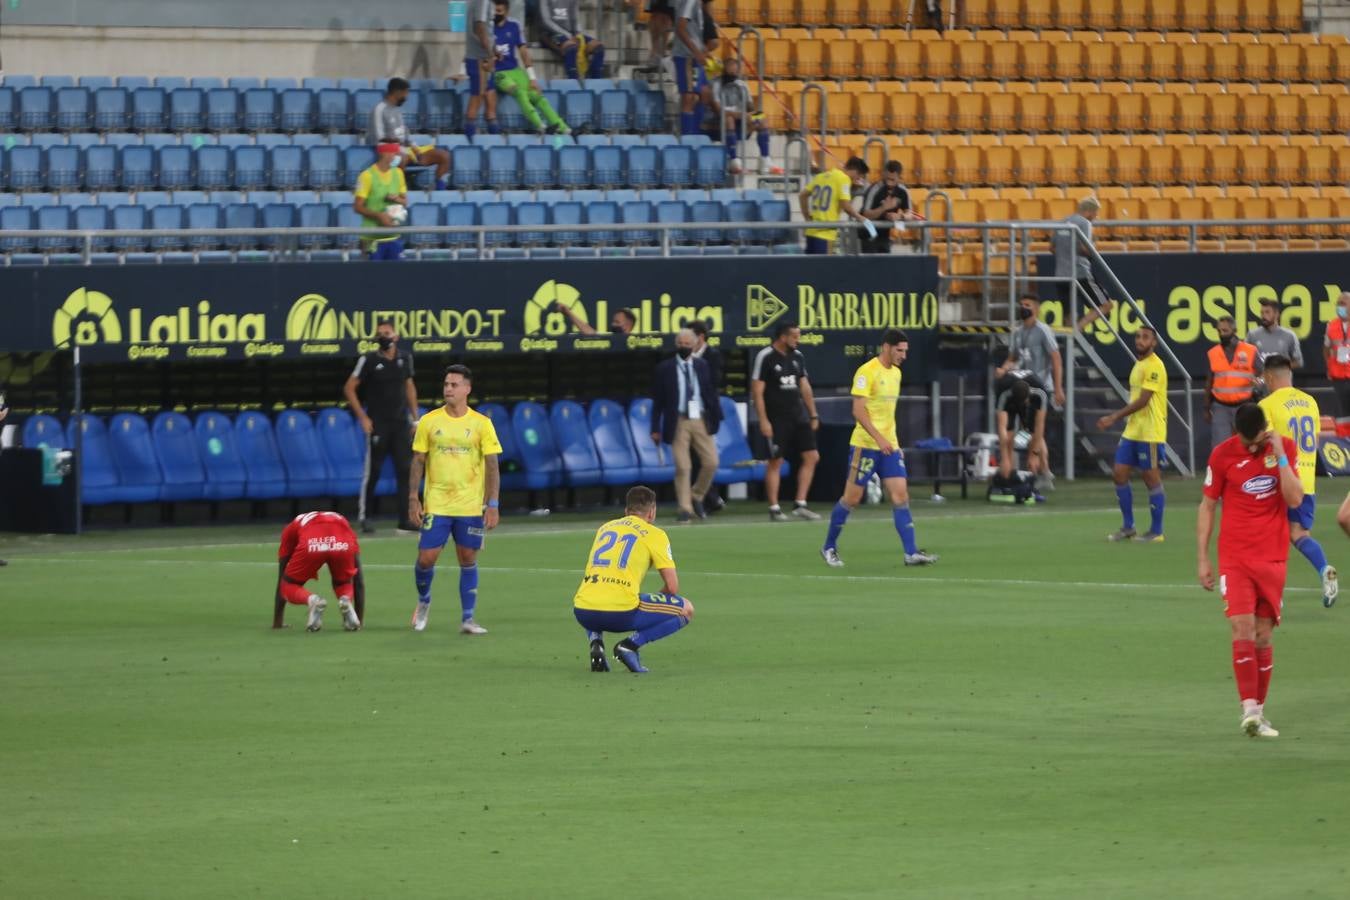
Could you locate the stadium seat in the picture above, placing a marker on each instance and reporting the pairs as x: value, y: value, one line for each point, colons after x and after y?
x: 307, y: 472
x: 139, y: 475
x: 257, y: 443
x: 656, y: 462
x: 225, y: 477
x: 24, y: 169
x: 36, y: 108
x: 138, y: 169
x: 572, y: 433
x: 176, y: 448
x: 534, y: 441
x: 258, y: 109
x: 735, y: 461
x: 296, y: 110
x: 187, y: 109
x: 503, y: 167
x: 512, y: 466
x: 642, y: 166
x: 287, y: 167
x: 250, y: 168
x: 344, y: 449
x: 63, y: 168
x: 167, y: 217
x: 44, y: 431
x: 176, y: 167
x: 677, y: 166
x: 99, y: 482
x: 148, y: 108
x: 613, y: 440
x: 73, y: 109
x: 112, y: 109
x: 466, y: 166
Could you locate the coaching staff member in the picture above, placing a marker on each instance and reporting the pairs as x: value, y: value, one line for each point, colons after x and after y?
x: 388, y: 419
x: 786, y: 407
x: 686, y: 411
x: 885, y: 202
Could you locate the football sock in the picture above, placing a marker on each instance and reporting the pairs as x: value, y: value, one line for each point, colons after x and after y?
x: 1157, y: 501
x: 775, y: 508
x: 904, y: 524
x: 1265, y: 667
x: 666, y: 628
x: 763, y: 138
x: 595, y: 63
x: 1126, y: 499
x: 731, y: 146
x: 1308, y: 546
x: 492, y: 127
x: 594, y: 635
x: 422, y: 577
x: 570, y: 62
x: 442, y: 183
x: 470, y: 129
x: 688, y: 123
x: 1245, y: 669
x: 838, y: 516
x: 799, y: 504
x: 468, y: 591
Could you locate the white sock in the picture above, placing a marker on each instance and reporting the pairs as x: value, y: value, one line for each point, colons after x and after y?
x: 1251, y: 708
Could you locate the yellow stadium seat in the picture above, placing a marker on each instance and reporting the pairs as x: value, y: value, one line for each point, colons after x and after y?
x: 1066, y: 112
x: 780, y: 11
x: 1286, y: 164
x: 1030, y: 210
x: 1340, y: 72
x: 979, y: 13
x: 1318, y: 208
x: 781, y: 116
x: 999, y: 165
x: 1100, y: 61
x: 1258, y: 62
x: 1225, y: 164
x: 1128, y: 165
x: 882, y: 13
x: 1342, y: 163
x: 1223, y: 112
x: 1258, y: 15
x: 1192, y: 112
x: 1225, y: 62
x: 1195, y: 15
x: 907, y: 59
x: 1070, y: 14
x: 1037, y: 59
x: 1164, y: 15
x: 1131, y: 61
x: 1195, y: 62
x: 1207, y: 191
x: 935, y: 112
x: 1095, y: 164
x: 1129, y: 211
x: 839, y: 113
x: 875, y: 59
x: 1069, y: 60
x: 847, y: 12
x: 1164, y: 61
x: 1005, y: 60
x: 1288, y: 15
x: 1033, y: 112
x: 972, y: 59
x: 1133, y: 14
x: 939, y: 59
x: 967, y: 165
x: 870, y: 112
x: 1065, y: 164
x: 1099, y: 14
x: 969, y: 112
x: 951, y: 141
x: 908, y: 157
x: 1000, y: 112
x: 1161, y: 164
x: 777, y: 58
x: 1319, y: 112
x: 1227, y: 15
x: 1288, y: 62
x: 744, y: 12
x: 1033, y: 164
x: 954, y: 86
x: 902, y: 111
x: 1319, y: 164
x: 1161, y: 112
x: 1038, y: 14
x: 1319, y: 62
x: 1287, y: 113
x: 1255, y: 113
x: 935, y: 166
x: 841, y: 59
x: 1190, y: 164
x: 809, y: 59
x: 1061, y: 208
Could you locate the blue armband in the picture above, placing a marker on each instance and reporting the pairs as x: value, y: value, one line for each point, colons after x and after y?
x: 492, y: 504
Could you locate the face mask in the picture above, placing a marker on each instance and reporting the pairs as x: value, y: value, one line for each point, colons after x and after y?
x: 385, y: 342
x: 1226, y: 339
x: 728, y: 79
x: 499, y: 19
x: 400, y: 101
x: 684, y: 352
x: 1343, y: 312
x: 1024, y: 312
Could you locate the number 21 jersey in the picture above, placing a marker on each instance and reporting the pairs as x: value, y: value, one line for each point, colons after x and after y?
x: 623, y: 551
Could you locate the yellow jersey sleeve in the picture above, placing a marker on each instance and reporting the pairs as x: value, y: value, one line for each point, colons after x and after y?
x: 488, y: 441
x: 400, y: 182
x: 363, y: 182
x: 1149, y: 424
x: 658, y: 545
x: 421, y: 443
x: 862, y: 379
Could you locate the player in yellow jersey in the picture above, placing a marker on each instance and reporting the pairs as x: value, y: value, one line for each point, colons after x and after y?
x: 1145, y: 437
x: 609, y: 597
x: 875, y: 449
x: 457, y: 448
x: 825, y: 197
x: 1294, y: 414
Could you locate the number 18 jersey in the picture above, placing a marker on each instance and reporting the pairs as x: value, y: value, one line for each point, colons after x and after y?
x: 623, y: 551
x: 1294, y: 414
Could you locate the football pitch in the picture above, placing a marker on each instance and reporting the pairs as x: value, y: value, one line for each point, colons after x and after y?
x: 1042, y: 714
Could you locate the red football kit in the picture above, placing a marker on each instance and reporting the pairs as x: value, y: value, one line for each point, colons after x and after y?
x: 313, y: 540
x: 1253, y: 529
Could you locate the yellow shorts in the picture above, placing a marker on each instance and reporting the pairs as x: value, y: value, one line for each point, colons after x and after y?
x: 422, y: 150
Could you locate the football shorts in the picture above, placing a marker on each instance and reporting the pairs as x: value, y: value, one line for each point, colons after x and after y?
x: 1140, y: 454
x: 652, y: 609
x: 304, y: 566
x: 689, y: 75
x: 863, y: 463
x: 791, y: 437
x: 1303, y: 513
x: 437, y: 531
x: 1252, y: 588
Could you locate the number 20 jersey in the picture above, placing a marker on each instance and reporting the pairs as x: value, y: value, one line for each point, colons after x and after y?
x: 623, y: 550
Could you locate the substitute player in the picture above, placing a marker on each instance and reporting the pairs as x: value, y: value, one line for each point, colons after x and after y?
x: 457, y: 448
x: 1142, y: 444
x: 378, y: 188
x: 608, y: 599
x: 1251, y: 473
x: 1294, y: 414
x: 1021, y: 403
x: 521, y: 83
x: 875, y: 449
x: 825, y: 197
x: 310, y: 542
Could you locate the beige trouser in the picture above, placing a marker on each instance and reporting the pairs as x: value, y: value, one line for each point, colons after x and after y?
x: 693, y: 431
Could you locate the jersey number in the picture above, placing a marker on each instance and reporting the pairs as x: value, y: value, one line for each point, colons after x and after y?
x: 607, y: 542
x: 822, y: 198
x: 1305, y: 435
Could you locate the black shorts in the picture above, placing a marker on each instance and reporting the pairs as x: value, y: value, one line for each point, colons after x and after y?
x: 791, y: 437
x: 661, y: 7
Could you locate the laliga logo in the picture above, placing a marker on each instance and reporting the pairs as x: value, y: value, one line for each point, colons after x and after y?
x: 310, y: 319
x: 87, y: 317
x: 762, y: 307
x: 540, y: 314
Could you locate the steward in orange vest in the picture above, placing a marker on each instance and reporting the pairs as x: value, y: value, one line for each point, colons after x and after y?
x: 1233, y: 366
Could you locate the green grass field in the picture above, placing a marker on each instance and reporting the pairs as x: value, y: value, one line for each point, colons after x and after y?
x: 1040, y: 715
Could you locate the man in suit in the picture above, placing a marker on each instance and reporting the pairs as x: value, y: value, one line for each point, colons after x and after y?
x: 710, y: 355
x: 686, y: 411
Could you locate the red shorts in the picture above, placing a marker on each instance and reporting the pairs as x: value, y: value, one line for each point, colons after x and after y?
x: 1250, y: 587
x: 304, y: 566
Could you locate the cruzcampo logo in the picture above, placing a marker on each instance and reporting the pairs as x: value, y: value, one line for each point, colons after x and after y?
x: 310, y: 319
x: 87, y: 317
x: 762, y: 307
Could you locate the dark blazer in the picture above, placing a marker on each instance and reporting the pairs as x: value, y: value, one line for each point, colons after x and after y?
x: 713, y: 357
x: 666, y: 398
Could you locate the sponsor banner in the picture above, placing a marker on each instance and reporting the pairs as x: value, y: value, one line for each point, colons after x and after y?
x: 332, y: 309
x: 1185, y: 295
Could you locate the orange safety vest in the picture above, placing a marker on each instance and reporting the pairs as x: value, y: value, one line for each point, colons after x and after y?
x: 1338, y: 342
x: 1233, y: 381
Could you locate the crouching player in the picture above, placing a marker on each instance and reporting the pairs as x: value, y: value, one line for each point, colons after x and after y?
x: 310, y: 542
x: 608, y: 599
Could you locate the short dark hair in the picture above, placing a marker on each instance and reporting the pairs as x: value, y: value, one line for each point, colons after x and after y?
x: 385, y: 320
x: 640, y: 498
x: 1149, y: 328
x: 894, y: 337
x: 783, y: 328
x: 1030, y: 298
x: 699, y: 327
x: 858, y: 164
x: 1226, y: 318
x: 396, y: 84
x: 1250, y: 420
x: 625, y: 311
x: 1270, y: 301
x: 1278, y: 361
x: 459, y: 369
x: 894, y: 167
x: 1020, y: 391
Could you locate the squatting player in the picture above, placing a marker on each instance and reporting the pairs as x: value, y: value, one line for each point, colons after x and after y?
x: 875, y: 449
x: 310, y: 542
x: 457, y: 448
x: 1141, y: 446
x: 1294, y: 414
x: 608, y: 599
x: 1251, y: 473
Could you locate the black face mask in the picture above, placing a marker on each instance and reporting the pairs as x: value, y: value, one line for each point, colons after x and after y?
x: 385, y: 342
x: 400, y: 101
x: 684, y: 352
x: 1024, y: 312
x: 729, y: 79
x: 1226, y: 339
x: 499, y: 20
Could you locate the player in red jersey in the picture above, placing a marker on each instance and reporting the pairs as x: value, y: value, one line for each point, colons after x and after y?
x: 308, y: 543
x: 1253, y: 474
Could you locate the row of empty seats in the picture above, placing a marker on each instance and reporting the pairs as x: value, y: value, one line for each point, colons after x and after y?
x: 196, y: 140
x: 1028, y: 55
x: 103, y: 167
x: 171, y: 458
x: 262, y: 109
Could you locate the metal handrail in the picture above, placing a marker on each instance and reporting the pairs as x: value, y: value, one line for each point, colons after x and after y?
x: 803, y: 123
x: 759, y: 57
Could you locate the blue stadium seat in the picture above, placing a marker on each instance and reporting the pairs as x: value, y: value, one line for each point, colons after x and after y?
x: 442, y: 111
x: 131, y: 82
x: 214, y: 168
x: 46, y: 140
x: 308, y: 140
x: 21, y: 81
x: 616, y: 110
x: 575, y: 166
x: 102, y: 169
x: 696, y: 140
x: 355, y: 84
x: 677, y: 166
x: 707, y: 211
x: 578, y: 109
x: 131, y: 217
x: 250, y: 168
x: 512, y: 465
x: 743, y: 211
x: 234, y: 141
x: 9, y: 109
x: 148, y: 108
x: 602, y: 212
x: 363, y: 102
x: 775, y: 211
x: 187, y: 109
x: 572, y: 432
x: 710, y: 166
x: 204, y: 215
x: 318, y: 84
x: 643, y: 166
x: 532, y: 213
x: 171, y: 82
x: 36, y: 108
x: 138, y: 169
x: 24, y: 170
x: 243, y: 83
x: 175, y: 445
x: 99, y: 483
x: 637, y: 212
x: 466, y: 166
x: 94, y: 218
x: 241, y: 215
x: 509, y: 115
x: 299, y: 197
x: 297, y: 110
x: 57, y: 81
x: 259, y: 112
x: 206, y: 83
x: 138, y: 473
x: 157, y: 140
x: 55, y: 218
x: 225, y: 477
x: 656, y: 463
x: 503, y: 166
x: 83, y: 140
x: 497, y: 214
x: 169, y: 216
x: 424, y: 214
x: 63, y: 168
x: 306, y: 467
x: 257, y: 444
x: 94, y: 82
x: 44, y: 431
x: 222, y: 109
x: 552, y: 196
x: 735, y: 460
x: 176, y: 167
x: 537, y: 166
x: 344, y: 448
x: 73, y: 109
x: 343, y: 141
x: 280, y: 84
x: 608, y: 168
x: 315, y: 215
x: 461, y: 215
x: 534, y: 441
x: 287, y: 165
x: 346, y: 217
x: 649, y: 111
x: 277, y: 215
x: 613, y: 443
x: 356, y: 160
x: 271, y: 141
x: 186, y: 198
x: 567, y: 212
x: 334, y: 110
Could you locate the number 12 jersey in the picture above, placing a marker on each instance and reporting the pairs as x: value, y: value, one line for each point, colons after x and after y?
x: 623, y: 551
